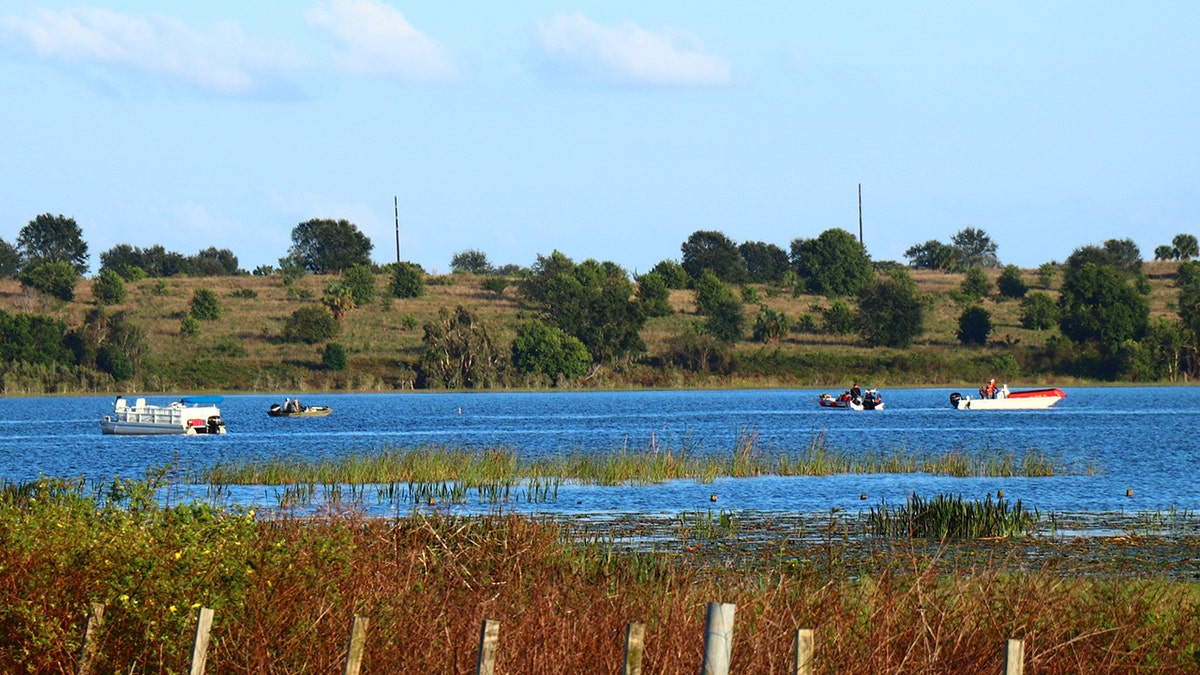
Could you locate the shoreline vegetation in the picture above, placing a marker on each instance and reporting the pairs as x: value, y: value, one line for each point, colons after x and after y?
x: 259, y: 344
x: 879, y: 595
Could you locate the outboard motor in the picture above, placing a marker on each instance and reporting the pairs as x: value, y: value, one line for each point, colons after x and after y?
x: 954, y: 399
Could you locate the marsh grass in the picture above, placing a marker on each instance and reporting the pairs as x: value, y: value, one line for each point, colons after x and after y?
x: 952, y: 517
x: 285, y: 589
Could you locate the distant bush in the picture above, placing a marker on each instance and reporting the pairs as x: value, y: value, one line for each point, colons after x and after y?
x: 310, y: 325
x: 1038, y: 311
x: 1010, y: 284
x: 408, y: 281
x: 974, y: 326
x: 205, y: 305
x: 109, y: 288
x: 838, y: 318
x: 360, y: 281
x: 57, y: 279
x: 189, y: 327
x: 244, y: 293
x: 333, y: 357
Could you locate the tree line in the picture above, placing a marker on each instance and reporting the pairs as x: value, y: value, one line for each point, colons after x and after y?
x: 589, y: 315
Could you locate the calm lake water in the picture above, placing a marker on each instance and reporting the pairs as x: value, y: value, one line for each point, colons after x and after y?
x: 1135, y: 438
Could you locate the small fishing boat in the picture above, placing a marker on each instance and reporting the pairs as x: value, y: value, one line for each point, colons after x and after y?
x: 1029, y: 399
x: 304, y: 411
x: 870, y: 400
x: 190, y: 415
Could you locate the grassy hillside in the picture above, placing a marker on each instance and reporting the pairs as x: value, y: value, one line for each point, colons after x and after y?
x: 243, y: 351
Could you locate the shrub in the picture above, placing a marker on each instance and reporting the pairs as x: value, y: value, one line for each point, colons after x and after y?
x: 359, y: 280
x: 310, y: 325
x: 1038, y: 311
x: 542, y: 348
x: 838, y: 317
x: 109, y: 289
x: 110, y: 359
x: 189, y: 327
x: 975, y: 284
x: 654, y: 295
x: 974, y: 326
x: 770, y: 326
x: 244, y: 293
x: 1010, y: 284
x: 205, y: 305
x: 333, y: 357
x: 891, y: 311
x: 494, y: 284
x: 407, y: 281
x: 56, y: 279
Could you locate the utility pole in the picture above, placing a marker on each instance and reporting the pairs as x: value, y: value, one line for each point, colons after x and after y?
x: 396, y: 204
x: 860, y: 240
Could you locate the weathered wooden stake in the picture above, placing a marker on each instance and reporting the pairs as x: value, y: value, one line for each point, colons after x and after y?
x: 804, y: 652
x: 358, y: 645
x: 1014, y: 657
x: 489, y: 644
x: 88, y: 652
x: 635, y: 646
x: 718, y: 638
x: 200, y: 644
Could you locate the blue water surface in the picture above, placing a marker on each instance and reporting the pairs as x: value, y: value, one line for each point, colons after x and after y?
x: 1128, y: 449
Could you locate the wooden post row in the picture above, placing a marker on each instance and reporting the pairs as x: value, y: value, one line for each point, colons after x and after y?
x: 804, y: 652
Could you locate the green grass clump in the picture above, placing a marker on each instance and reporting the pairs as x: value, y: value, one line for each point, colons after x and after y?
x: 947, y: 517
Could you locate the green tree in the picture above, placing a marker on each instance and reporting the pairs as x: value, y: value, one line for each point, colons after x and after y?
x: 339, y: 299
x: 1010, y: 283
x: 699, y: 352
x: 1097, y: 304
x: 1185, y: 246
x: 333, y: 357
x: 673, y: 274
x: 311, y: 324
x: 1046, y: 273
x: 974, y: 326
x: 711, y: 250
x: 592, y: 301
x: 459, y: 352
x: 212, y: 262
x: 471, y: 261
x: 710, y: 292
x: 771, y: 326
x: 53, y: 239
x: 726, y: 320
x: 933, y: 255
x: 891, y: 311
x: 833, y: 264
x: 838, y: 318
x: 56, y: 279
x: 109, y: 288
x: 324, y: 246
x: 205, y: 306
x: 1038, y: 311
x: 359, y: 280
x: 765, y: 263
x: 408, y: 281
x: 540, y: 348
x: 653, y: 295
x: 10, y: 260
x: 1157, y: 356
x: 974, y: 248
x: 975, y: 284
x: 32, y: 339
x: 1164, y: 252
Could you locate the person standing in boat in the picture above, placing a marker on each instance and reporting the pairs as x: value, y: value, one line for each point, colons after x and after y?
x: 287, y: 404
x: 988, y: 390
x: 855, y: 392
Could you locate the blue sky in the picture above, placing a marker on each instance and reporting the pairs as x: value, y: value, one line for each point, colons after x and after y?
x: 608, y: 130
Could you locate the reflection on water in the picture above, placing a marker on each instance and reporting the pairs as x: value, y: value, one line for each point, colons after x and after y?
x: 1139, y: 439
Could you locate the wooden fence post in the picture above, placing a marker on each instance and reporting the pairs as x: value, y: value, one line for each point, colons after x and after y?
x: 1014, y: 657
x: 489, y: 644
x: 88, y: 652
x: 718, y: 638
x: 358, y: 645
x: 804, y: 652
x: 200, y: 644
x: 635, y: 646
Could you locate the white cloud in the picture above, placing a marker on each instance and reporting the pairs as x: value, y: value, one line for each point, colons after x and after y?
x: 375, y: 38
x: 223, y: 60
x: 629, y: 53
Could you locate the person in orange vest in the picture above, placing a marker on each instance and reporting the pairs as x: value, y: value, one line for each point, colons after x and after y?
x: 988, y: 390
